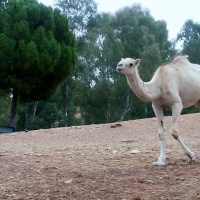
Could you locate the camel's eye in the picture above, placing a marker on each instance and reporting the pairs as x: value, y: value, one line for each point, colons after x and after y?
x: 131, y: 64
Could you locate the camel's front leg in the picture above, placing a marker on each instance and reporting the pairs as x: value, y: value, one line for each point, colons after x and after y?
x: 176, y: 110
x: 158, y: 110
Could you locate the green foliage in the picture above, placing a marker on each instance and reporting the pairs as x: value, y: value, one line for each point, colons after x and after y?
x: 95, y: 93
x: 3, y: 4
x: 36, y: 54
x: 189, y: 36
x: 192, y: 49
x: 104, y: 95
x: 38, y: 115
x: 7, y: 47
x: 78, y: 12
x: 151, y: 59
x: 34, y: 58
x: 5, y: 102
x: 190, y: 30
x: 64, y: 99
x: 50, y: 113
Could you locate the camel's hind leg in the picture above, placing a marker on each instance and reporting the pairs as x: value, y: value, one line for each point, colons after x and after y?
x: 176, y: 110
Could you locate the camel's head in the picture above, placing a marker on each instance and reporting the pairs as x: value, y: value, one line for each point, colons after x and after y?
x: 127, y: 65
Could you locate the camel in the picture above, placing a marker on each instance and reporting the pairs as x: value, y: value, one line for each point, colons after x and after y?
x: 174, y: 85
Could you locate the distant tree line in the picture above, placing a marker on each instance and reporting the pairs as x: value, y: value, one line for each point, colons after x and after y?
x: 60, y: 63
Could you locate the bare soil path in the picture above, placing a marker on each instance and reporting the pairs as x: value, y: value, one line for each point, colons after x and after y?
x: 95, y: 163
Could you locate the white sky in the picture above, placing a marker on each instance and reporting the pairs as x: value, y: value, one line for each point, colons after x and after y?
x: 174, y: 12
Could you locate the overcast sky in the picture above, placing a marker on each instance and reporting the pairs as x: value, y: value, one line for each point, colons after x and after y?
x: 174, y: 12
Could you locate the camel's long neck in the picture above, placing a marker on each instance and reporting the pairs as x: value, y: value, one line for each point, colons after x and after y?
x: 140, y: 88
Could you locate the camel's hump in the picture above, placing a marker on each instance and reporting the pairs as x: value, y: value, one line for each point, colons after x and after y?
x: 178, y: 58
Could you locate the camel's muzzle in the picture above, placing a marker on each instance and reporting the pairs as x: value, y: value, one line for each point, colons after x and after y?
x: 118, y: 69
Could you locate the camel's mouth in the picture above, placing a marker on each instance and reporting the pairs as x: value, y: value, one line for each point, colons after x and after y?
x: 119, y: 69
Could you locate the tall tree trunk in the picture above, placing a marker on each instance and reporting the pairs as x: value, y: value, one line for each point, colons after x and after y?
x: 13, y: 109
x: 67, y: 110
x: 65, y: 105
x: 126, y: 108
x: 34, y: 112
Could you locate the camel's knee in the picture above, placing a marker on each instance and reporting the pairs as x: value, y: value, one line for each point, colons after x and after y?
x: 162, y: 136
x: 175, y: 136
x: 161, y: 133
x: 174, y: 133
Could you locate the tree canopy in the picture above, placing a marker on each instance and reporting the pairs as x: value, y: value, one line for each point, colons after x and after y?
x: 190, y: 37
x: 79, y: 12
x: 130, y: 32
x: 37, y: 50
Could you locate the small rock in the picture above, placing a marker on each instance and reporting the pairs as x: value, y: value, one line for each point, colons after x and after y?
x: 68, y: 181
x: 137, y: 198
x: 115, y: 125
x: 198, y: 195
x: 118, y: 124
x: 140, y: 181
x: 166, y: 176
x: 134, y: 151
x: 150, y: 181
x: 114, y: 151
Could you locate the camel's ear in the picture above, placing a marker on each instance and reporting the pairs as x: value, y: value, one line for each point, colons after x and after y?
x: 137, y: 61
x: 122, y: 59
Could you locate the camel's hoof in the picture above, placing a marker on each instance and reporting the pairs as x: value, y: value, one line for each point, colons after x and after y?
x: 159, y: 163
x: 192, y: 157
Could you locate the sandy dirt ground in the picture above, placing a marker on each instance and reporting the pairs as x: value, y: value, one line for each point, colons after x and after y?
x: 97, y: 162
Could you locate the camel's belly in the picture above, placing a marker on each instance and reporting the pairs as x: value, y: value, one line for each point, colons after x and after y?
x: 189, y: 92
x: 187, y: 102
x: 169, y: 97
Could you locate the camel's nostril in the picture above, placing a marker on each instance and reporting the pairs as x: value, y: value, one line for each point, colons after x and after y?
x: 118, y: 69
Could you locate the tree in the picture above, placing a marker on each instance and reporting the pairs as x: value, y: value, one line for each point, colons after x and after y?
x: 130, y: 32
x: 4, y: 107
x: 39, y: 114
x: 190, y: 37
x: 3, y: 4
x: 79, y: 12
x: 190, y: 30
x: 37, y: 51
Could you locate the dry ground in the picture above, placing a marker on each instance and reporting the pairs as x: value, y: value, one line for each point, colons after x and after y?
x: 94, y: 162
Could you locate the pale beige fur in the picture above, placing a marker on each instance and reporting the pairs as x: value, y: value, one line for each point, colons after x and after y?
x: 175, y: 85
